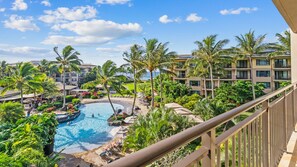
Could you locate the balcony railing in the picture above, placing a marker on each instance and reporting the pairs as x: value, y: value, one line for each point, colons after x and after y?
x: 242, y: 66
x: 282, y: 78
x: 258, y: 140
x: 241, y: 77
x: 281, y: 65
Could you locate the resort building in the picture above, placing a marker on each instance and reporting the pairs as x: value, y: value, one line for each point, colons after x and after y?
x: 271, y: 72
x: 74, y: 78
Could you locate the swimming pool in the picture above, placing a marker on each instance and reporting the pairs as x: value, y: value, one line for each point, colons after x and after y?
x: 85, y: 132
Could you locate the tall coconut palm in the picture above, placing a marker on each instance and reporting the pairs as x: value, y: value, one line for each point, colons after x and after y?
x: 22, y: 77
x: 166, y: 62
x: 211, y: 52
x: 67, y: 61
x: 131, y: 58
x: 109, y: 76
x: 248, y: 46
x: 154, y: 59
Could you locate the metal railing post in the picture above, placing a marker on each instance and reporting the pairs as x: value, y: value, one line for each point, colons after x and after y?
x: 208, y: 140
x: 294, y: 105
x: 266, y: 135
x: 285, y: 124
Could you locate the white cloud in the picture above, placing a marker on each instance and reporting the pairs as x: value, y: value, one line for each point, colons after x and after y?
x: 193, y: 17
x: 63, y: 14
x: 93, y: 32
x: 19, y: 5
x: 46, y: 3
x: 112, y: 2
x: 116, y: 49
x: 2, y: 9
x: 237, y: 11
x: 165, y: 19
x: 23, y: 53
x: 20, y: 23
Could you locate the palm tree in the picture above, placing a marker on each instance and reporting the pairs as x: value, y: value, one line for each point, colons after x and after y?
x: 108, y: 76
x: 21, y: 78
x: 283, y: 47
x: 154, y: 59
x: 47, y: 67
x: 67, y: 62
x: 166, y: 61
x: 3, y: 68
x: 248, y: 46
x: 131, y: 58
x: 211, y: 52
x: 197, y: 68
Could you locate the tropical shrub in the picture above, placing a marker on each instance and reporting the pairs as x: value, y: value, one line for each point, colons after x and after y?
x: 153, y: 127
x: 94, y: 97
x: 43, y: 107
x: 69, y: 98
x: 75, y: 101
x: 26, y: 139
x: 187, y: 101
x: 86, y: 94
x: 11, y: 112
x: 58, y: 104
x: 5, y: 160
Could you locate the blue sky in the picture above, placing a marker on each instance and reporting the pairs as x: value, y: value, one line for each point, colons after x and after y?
x: 103, y: 29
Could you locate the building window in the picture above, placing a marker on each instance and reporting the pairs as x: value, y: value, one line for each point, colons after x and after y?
x: 181, y: 74
x: 242, y: 64
x: 266, y: 84
x: 282, y: 75
x: 208, y: 85
x: 281, y: 63
x: 194, y: 83
x: 242, y: 75
x: 263, y: 73
x: 262, y: 62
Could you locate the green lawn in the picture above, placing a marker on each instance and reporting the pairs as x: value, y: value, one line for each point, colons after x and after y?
x: 130, y: 86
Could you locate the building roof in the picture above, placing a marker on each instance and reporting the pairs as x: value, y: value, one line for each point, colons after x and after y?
x: 288, y: 10
x: 16, y: 97
x: 67, y: 87
x: 9, y: 93
x: 184, y: 112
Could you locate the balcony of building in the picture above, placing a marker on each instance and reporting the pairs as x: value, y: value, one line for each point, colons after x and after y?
x: 260, y: 139
x: 281, y: 63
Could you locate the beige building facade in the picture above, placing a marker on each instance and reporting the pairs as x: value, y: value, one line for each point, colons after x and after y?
x: 270, y: 72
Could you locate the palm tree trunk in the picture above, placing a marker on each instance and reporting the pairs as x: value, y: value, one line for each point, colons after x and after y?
x: 22, y: 96
x: 161, y: 87
x: 64, y: 91
x: 108, y: 96
x: 252, y: 79
x: 152, y: 89
x: 135, y: 91
x: 211, y: 80
x: 205, y: 91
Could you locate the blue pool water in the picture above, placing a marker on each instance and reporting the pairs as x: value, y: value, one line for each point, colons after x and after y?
x: 85, y: 132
